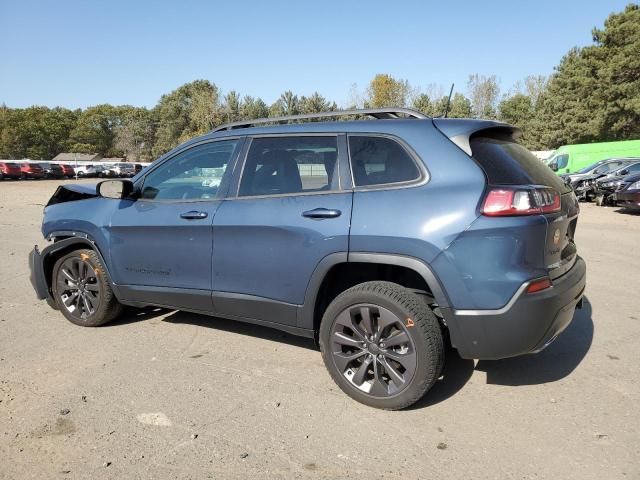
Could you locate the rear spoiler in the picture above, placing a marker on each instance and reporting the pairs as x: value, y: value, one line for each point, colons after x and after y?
x: 460, y: 130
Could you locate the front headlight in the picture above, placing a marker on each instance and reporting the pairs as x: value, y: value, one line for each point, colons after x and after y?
x: 634, y: 186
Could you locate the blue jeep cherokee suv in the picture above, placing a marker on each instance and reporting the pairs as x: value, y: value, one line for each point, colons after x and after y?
x: 385, y: 239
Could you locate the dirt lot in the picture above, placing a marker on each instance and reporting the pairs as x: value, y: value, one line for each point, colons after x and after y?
x: 176, y: 395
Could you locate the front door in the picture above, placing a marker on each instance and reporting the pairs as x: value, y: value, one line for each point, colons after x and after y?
x: 161, y: 243
x: 288, y: 214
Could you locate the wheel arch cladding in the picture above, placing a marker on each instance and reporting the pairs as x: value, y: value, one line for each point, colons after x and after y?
x: 385, y: 267
x: 53, y: 252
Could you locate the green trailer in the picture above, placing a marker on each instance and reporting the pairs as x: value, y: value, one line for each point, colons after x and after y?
x: 571, y: 158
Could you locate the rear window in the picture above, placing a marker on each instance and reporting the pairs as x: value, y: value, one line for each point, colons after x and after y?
x: 506, y: 162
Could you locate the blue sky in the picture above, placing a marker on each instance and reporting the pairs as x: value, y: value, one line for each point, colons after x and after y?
x: 81, y: 53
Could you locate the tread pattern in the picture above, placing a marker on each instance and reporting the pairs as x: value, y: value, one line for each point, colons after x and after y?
x: 432, y: 356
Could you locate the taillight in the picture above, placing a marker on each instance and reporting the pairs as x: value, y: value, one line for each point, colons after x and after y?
x: 513, y: 201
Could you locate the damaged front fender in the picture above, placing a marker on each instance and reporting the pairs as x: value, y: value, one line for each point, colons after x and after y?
x: 73, y: 192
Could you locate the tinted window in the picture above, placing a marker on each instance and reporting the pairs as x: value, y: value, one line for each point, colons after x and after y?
x: 281, y: 165
x: 380, y: 161
x: 194, y: 174
x: 634, y: 168
x: 506, y: 162
x: 562, y: 161
x: 589, y: 168
x: 607, y: 167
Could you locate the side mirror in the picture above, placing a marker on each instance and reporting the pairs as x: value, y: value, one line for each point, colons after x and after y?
x: 624, y: 172
x: 554, y: 167
x: 117, y: 189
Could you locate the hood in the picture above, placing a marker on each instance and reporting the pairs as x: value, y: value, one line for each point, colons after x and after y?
x: 574, y: 177
x: 585, y: 177
x: 72, y: 192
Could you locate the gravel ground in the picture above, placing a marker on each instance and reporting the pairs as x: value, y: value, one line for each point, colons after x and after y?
x: 174, y: 395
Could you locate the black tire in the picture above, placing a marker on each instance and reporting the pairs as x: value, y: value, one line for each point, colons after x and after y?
x: 88, y: 300
x: 52, y: 303
x: 414, y: 320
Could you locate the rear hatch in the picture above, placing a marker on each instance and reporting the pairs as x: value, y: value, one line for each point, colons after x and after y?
x: 509, y: 167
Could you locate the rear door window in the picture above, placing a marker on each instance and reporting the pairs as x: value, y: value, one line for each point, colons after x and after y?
x: 290, y: 165
x: 380, y: 161
x: 506, y: 162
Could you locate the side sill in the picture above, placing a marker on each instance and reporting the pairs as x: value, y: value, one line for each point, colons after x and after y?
x: 297, y: 331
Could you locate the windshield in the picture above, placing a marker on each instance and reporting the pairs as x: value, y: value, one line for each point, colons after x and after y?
x: 590, y: 167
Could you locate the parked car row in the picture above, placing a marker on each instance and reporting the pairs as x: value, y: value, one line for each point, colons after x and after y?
x: 40, y: 170
x: 15, y: 171
x: 115, y: 170
x: 614, y: 181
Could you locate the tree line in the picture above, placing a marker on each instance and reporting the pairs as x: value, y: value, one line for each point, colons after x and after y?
x: 593, y: 95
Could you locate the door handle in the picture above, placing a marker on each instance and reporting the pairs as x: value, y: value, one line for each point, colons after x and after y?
x: 194, y: 215
x: 320, y: 213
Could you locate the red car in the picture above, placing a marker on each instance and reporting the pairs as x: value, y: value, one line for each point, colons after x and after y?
x: 68, y: 171
x: 31, y: 170
x: 9, y: 170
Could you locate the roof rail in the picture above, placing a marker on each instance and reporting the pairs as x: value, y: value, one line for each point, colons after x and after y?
x: 379, y: 113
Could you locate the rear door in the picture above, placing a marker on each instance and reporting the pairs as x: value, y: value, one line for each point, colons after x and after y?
x: 288, y: 211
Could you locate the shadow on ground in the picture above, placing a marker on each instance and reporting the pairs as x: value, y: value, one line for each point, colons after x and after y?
x: 133, y: 315
x: 241, y: 328
x: 628, y: 211
x: 554, y: 363
x: 455, y: 375
x: 550, y: 365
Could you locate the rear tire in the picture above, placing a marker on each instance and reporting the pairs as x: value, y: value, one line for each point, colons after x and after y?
x: 382, y: 345
x: 82, y: 291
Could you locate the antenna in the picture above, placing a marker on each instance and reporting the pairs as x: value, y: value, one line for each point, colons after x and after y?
x: 446, y: 110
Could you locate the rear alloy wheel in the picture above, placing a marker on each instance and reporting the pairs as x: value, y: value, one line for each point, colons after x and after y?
x: 382, y: 345
x: 82, y: 291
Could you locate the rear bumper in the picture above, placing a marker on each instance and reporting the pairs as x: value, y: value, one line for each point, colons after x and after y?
x: 527, y: 324
x: 628, y: 199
